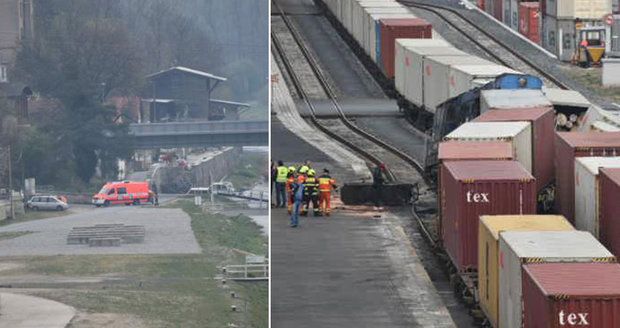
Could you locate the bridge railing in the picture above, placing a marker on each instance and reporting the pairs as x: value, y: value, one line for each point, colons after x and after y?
x: 199, y: 127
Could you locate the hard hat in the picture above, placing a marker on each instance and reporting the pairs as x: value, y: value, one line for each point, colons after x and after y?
x: 291, y: 169
x: 300, y: 179
x: 311, y: 172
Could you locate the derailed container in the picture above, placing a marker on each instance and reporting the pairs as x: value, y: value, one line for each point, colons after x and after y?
x: 475, y: 150
x: 519, y: 247
x: 529, y: 20
x: 437, y: 77
x: 470, y: 189
x: 609, y: 232
x: 518, y: 133
x: 463, y: 78
x: 571, y: 294
x: 511, y: 99
x: 568, y: 146
x: 392, y: 29
x: 488, y: 251
x: 410, y: 53
x: 543, y: 132
x: 587, y: 191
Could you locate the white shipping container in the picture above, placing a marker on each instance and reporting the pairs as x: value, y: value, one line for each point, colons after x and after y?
x: 514, y: 14
x: 560, y: 97
x: 462, y: 77
x: 436, y: 77
x: 373, y: 33
x: 518, y: 133
x: 583, y: 9
x: 413, y: 88
x: 587, y: 191
x: 404, y: 61
x: 518, y: 247
x: 358, y: 15
x: 519, y: 98
x: 602, y: 126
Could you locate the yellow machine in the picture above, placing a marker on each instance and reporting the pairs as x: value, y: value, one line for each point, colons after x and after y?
x: 590, y: 47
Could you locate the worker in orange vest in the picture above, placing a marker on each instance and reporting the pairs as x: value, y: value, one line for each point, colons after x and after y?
x: 326, y: 185
x: 289, y: 191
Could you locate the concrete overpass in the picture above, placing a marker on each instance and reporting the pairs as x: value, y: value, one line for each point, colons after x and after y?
x: 200, y: 134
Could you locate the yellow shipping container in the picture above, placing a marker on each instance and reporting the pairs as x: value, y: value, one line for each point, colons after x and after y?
x: 488, y: 251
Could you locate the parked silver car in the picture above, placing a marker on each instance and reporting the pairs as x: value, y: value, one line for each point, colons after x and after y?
x: 50, y: 203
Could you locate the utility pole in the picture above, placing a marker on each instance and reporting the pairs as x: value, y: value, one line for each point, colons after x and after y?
x: 11, y: 186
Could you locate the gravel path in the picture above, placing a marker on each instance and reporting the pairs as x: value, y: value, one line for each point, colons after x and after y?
x: 168, y: 231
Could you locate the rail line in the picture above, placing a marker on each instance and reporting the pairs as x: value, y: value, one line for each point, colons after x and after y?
x: 327, y: 126
x: 487, y: 42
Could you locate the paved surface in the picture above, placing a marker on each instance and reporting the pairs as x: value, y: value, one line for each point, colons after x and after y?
x: 168, y: 231
x: 351, y: 270
x: 23, y: 311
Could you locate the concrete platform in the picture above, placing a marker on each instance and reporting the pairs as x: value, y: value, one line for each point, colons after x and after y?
x: 23, y: 311
x: 349, y: 270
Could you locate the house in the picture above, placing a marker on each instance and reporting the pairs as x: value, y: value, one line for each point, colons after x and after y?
x: 16, y: 96
x: 16, y: 26
x: 184, y: 94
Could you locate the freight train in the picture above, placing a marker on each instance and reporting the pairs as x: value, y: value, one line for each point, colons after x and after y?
x: 499, y: 139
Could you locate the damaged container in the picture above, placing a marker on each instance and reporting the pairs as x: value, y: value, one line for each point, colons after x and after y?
x: 609, y: 229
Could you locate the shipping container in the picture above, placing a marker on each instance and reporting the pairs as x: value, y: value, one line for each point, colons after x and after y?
x: 498, y: 9
x: 609, y: 233
x: 543, y: 132
x: 529, y: 20
x: 518, y: 133
x: 437, y: 75
x: 602, y: 126
x: 392, y: 29
x: 463, y: 78
x: 583, y: 9
x: 570, y: 145
x: 372, y: 29
x: 571, y: 295
x: 354, y: 13
x: 410, y: 54
x: 512, y: 99
x: 519, y: 247
x: 559, y: 37
x: 565, y: 98
x: 510, y: 15
x: 475, y: 150
x: 587, y: 191
x: 488, y: 251
x: 364, y: 24
x: 470, y: 189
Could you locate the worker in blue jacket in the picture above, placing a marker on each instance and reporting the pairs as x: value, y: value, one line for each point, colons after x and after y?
x: 297, y: 190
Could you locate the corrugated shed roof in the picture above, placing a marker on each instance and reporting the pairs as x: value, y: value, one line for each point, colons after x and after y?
x: 188, y: 71
x: 576, y: 279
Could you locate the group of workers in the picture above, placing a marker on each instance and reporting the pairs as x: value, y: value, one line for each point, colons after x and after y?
x: 299, y: 187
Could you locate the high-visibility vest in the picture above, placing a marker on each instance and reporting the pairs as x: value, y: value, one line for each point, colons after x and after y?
x: 289, y: 182
x: 326, y: 183
x: 311, y: 185
x: 282, y: 174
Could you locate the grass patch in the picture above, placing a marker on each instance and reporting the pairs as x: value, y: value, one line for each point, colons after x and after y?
x: 249, y: 169
x: 11, y: 235
x: 591, y: 79
x: 34, y: 215
x: 166, y: 290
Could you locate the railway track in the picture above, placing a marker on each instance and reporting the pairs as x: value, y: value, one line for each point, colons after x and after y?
x: 488, y: 43
x: 342, y: 129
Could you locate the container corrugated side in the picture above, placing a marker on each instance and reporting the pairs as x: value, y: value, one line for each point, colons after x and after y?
x: 465, y: 198
x: 372, y: 39
x: 437, y: 77
x: 393, y: 29
x: 518, y: 133
x: 488, y: 251
x: 568, y: 146
x: 462, y: 77
x: 610, y: 209
x: 367, y: 25
x: 543, y: 132
x: 518, y: 247
x: 357, y: 15
x: 571, y: 295
x: 587, y: 191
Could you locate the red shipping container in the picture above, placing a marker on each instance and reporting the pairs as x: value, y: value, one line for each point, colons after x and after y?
x: 569, y: 145
x: 475, y: 150
x: 571, y: 295
x: 609, y: 210
x: 399, y: 28
x: 543, y: 131
x: 470, y: 189
x: 498, y: 9
x: 529, y: 20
